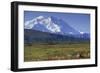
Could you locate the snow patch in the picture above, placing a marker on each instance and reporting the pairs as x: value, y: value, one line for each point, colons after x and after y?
x: 81, y: 32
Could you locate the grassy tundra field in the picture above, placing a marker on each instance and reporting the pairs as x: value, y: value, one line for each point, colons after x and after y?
x: 44, y: 52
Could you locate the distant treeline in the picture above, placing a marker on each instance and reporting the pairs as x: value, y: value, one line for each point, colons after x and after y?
x: 41, y: 37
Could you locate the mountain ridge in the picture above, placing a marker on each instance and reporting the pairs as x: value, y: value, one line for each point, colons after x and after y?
x: 50, y: 24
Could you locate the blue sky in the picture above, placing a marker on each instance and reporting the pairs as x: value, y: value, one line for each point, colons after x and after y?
x: 79, y: 21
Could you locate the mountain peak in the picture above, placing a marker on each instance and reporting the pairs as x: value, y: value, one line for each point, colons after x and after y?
x: 50, y: 24
x: 45, y: 21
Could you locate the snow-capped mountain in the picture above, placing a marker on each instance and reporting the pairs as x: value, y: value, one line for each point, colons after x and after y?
x: 51, y: 29
x: 50, y: 24
x: 42, y: 21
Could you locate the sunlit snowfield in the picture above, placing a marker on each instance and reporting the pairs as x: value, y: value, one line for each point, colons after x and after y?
x: 45, y: 52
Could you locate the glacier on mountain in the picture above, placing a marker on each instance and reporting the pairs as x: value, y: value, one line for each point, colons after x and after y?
x: 45, y: 21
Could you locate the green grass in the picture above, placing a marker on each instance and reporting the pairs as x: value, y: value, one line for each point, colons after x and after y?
x: 43, y: 52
